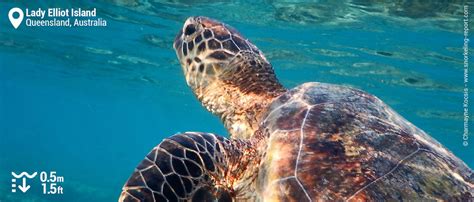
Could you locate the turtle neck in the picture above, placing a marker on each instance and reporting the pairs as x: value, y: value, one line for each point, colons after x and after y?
x: 239, y: 109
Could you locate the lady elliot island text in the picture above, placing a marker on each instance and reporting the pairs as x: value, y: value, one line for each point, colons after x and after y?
x: 61, y: 17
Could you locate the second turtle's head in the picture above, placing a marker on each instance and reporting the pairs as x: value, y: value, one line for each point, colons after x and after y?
x: 208, y: 50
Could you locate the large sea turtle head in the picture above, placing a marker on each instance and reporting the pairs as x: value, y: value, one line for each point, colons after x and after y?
x: 208, y: 50
x: 228, y: 74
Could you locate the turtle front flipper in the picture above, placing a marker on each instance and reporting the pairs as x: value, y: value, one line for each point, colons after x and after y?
x: 189, y: 167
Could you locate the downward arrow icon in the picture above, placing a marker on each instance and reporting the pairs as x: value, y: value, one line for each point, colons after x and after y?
x: 23, y: 187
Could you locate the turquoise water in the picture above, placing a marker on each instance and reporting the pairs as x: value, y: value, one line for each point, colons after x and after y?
x: 89, y: 103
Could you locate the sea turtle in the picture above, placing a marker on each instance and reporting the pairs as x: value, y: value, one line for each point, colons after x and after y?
x: 315, y: 142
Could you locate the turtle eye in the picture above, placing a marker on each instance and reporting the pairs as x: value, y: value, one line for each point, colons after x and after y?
x: 190, y: 29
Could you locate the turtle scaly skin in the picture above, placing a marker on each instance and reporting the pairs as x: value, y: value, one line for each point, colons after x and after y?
x: 315, y: 142
x: 227, y: 73
x: 192, y: 166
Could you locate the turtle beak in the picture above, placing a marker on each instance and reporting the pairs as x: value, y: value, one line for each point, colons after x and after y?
x: 190, y: 20
x: 180, y: 37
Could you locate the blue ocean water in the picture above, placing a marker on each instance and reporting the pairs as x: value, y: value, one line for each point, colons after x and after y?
x: 90, y: 102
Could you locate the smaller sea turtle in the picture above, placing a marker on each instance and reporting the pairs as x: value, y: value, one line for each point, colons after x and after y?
x: 316, y: 142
